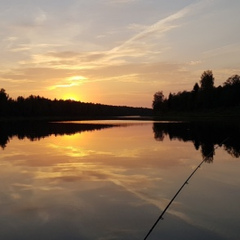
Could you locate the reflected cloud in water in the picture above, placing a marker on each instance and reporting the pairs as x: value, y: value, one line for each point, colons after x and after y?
x: 78, y: 183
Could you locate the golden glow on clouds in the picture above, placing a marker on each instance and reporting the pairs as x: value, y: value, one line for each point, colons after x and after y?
x: 116, y: 155
x: 106, y: 58
x: 70, y: 82
x: 76, y: 78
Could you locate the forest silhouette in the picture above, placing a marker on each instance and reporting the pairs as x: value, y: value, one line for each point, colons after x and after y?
x: 203, y: 96
x: 39, y: 107
x: 37, y: 130
x: 204, y: 136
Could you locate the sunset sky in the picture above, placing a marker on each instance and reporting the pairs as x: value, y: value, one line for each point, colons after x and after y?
x: 117, y: 52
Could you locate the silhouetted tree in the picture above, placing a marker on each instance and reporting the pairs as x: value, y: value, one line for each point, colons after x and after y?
x: 232, y: 81
x: 231, y: 91
x: 196, y: 87
x: 205, y: 136
x: 207, y: 80
x: 3, y: 95
x: 202, y: 97
x: 169, y: 101
x: 208, y: 151
x: 158, y: 101
x: 3, y: 102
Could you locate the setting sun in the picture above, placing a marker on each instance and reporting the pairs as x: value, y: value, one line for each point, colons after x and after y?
x: 73, y: 81
x: 102, y: 57
x: 70, y: 96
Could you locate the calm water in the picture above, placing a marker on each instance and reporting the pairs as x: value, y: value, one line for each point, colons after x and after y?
x: 112, y: 180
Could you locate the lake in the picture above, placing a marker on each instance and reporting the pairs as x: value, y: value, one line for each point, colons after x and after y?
x: 111, y: 180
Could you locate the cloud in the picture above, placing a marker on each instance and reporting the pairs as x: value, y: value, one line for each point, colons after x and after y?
x: 139, y: 46
x: 20, y: 49
x: 120, y: 1
x: 137, y: 27
x: 143, y: 46
x: 149, y: 41
x: 70, y: 82
x: 79, y: 57
x: 161, y: 26
x: 128, y: 51
x: 65, y: 54
x: 40, y: 18
x: 223, y: 50
x: 195, y: 62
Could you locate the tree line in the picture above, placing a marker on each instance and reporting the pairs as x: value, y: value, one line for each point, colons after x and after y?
x: 204, y: 136
x: 36, y: 130
x: 203, y: 96
x: 38, y: 107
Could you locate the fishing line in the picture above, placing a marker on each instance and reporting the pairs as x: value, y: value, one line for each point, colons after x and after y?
x: 180, y: 189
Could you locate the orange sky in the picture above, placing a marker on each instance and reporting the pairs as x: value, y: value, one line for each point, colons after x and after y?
x: 117, y: 52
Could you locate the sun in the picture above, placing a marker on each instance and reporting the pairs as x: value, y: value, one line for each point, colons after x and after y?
x: 70, y: 96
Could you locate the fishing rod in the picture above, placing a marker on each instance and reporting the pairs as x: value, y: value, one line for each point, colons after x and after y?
x: 180, y: 189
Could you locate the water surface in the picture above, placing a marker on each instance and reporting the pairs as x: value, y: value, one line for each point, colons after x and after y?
x: 111, y: 180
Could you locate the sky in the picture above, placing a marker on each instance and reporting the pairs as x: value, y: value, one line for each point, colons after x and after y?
x: 117, y: 52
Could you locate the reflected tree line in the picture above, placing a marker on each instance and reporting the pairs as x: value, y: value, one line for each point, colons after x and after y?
x: 37, y: 107
x: 203, y: 96
x: 204, y: 136
x: 36, y: 130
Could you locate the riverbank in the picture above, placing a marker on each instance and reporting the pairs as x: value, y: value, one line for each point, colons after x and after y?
x: 230, y: 114
x: 226, y: 115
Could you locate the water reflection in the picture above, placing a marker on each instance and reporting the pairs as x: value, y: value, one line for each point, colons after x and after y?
x: 77, y: 183
x: 37, y: 130
x: 203, y: 136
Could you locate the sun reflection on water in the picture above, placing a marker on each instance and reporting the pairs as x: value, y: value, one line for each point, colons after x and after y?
x: 95, y: 172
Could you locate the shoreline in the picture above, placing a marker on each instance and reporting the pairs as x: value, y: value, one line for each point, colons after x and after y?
x: 231, y: 115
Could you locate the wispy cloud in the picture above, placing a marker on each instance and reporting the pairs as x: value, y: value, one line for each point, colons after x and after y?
x: 161, y: 26
x: 138, y: 46
x: 40, y: 18
x: 144, y: 42
x: 141, y: 46
x: 159, y: 49
x: 120, y: 1
x: 70, y: 82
